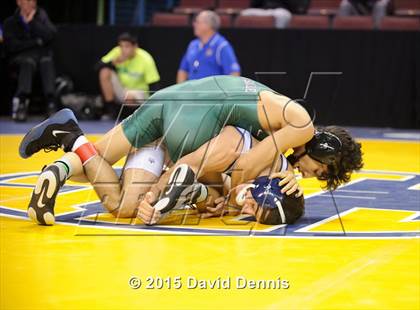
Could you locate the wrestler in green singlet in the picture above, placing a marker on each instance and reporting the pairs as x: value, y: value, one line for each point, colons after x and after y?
x: 189, y: 114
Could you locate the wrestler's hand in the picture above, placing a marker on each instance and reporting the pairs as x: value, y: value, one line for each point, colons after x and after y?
x: 146, y: 212
x: 218, y: 210
x: 289, y: 181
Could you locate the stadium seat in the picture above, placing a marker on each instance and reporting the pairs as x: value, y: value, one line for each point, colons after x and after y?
x: 232, y: 6
x: 324, y: 7
x: 225, y: 20
x: 194, y: 6
x: 400, y: 23
x: 407, y: 7
x: 170, y: 20
x: 254, y: 22
x: 307, y: 21
x: 353, y: 22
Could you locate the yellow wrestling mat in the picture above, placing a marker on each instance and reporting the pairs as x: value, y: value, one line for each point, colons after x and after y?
x: 367, y: 257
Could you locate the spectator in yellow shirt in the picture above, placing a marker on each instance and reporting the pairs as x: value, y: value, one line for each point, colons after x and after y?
x: 127, y: 72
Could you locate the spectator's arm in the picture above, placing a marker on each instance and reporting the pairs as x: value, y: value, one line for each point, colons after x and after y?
x: 43, y: 27
x: 151, y: 73
x: 14, y: 44
x: 182, y: 74
x: 228, y: 61
x: 100, y: 64
x: 109, y: 59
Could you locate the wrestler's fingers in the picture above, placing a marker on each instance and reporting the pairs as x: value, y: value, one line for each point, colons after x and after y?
x: 292, y: 189
x: 150, y: 219
x: 299, y: 193
x: 220, y: 199
x: 288, y: 186
x: 146, y: 208
x: 218, y: 207
x: 277, y: 175
x: 156, y: 217
x: 286, y: 179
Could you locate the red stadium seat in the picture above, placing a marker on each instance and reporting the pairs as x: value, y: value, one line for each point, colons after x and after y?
x: 324, y: 7
x: 225, y: 20
x: 254, y: 22
x: 353, y: 22
x: 232, y: 6
x: 194, y: 6
x: 170, y: 20
x: 400, y: 23
x: 407, y: 7
x: 307, y: 21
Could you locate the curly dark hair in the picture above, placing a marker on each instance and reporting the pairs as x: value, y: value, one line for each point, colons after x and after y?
x: 349, y: 160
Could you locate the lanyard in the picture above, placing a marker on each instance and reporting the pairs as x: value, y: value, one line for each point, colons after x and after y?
x: 196, y: 62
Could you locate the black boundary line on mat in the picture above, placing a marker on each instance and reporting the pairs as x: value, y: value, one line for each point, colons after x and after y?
x: 338, y: 213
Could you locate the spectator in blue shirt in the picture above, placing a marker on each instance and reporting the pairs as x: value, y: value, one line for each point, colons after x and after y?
x: 209, y: 54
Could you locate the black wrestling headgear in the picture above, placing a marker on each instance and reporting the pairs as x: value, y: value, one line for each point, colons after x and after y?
x: 324, y: 147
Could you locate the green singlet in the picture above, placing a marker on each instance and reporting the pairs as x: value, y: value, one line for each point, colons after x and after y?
x: 189, y: 114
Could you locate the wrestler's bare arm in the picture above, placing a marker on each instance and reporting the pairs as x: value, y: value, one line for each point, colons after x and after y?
x: 212, y: 157
x: 294, y: 128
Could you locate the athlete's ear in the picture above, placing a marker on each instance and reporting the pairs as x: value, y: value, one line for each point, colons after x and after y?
x: 241, y: 191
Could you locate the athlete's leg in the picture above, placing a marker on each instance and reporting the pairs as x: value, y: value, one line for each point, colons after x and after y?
x: 62, y: 130
x: 98, y: 167
x: 217, y: 155
x: 179, y: 183
x: 103, y: 148
x: 136, y: 183
x: 97, y: 170
x: 106, y: 85
x: 142, y: 169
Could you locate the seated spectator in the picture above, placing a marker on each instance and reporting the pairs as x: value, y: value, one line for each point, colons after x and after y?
x: 27, y: 36
x: 209, y: 54
x: 127, y: 72
x: 281, y: 10
x: 376, y: 8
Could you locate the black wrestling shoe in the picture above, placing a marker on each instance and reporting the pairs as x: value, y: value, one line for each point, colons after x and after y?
x: 41, y: 206
x: 60, y: 130
x: 179, y: 191
x: 198, y: 193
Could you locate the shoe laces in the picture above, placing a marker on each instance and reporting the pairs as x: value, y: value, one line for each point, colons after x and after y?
x: 50, y: 148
